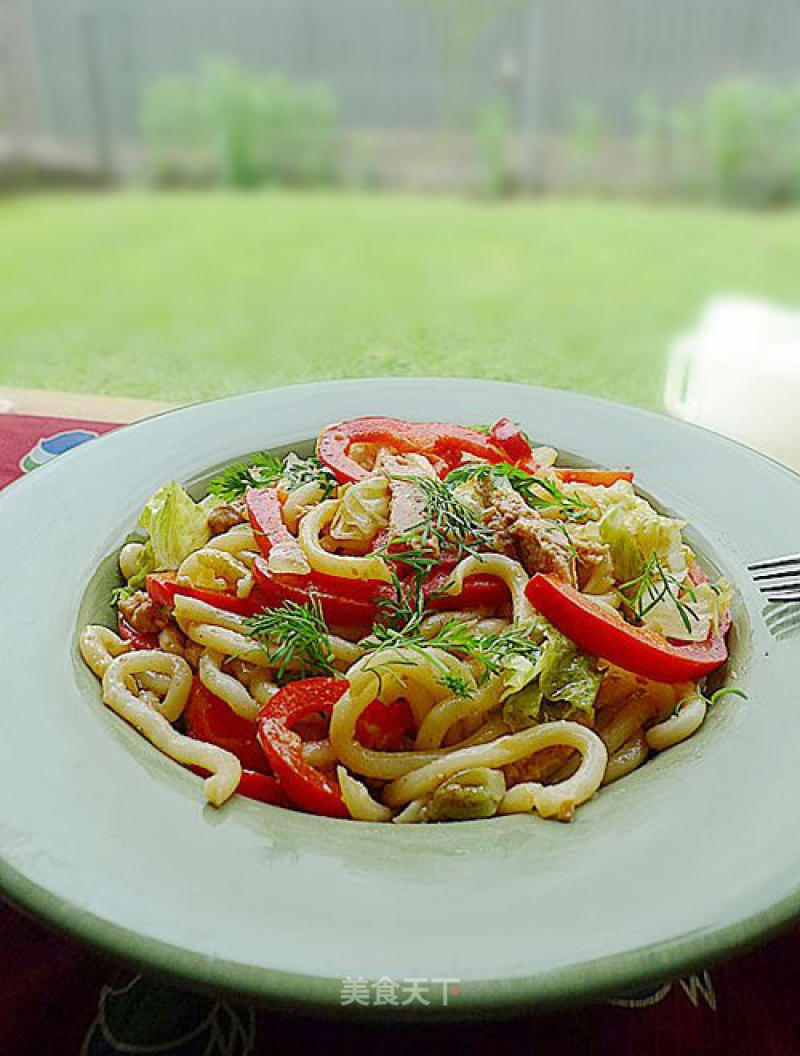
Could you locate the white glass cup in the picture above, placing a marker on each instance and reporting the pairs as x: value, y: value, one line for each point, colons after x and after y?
x: 738, y: 373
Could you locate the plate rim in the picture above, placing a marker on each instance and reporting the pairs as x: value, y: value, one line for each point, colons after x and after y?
x: 606, y: 975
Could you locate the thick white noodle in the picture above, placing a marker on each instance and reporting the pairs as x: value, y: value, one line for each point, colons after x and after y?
x: 626, y: 758
x: 386, y: 675
x: 238, y: 541
x: 225, y: 631
x: 448, y: 712
x: 191, y: 610
x: 368, y: 567
x: 229, y: 643
x: 210, y: 568
x: 262, y: 687
x: 511, y: 572
x: 557, y: 800
x: 358, y: 801
x: 690, y: 717
x: 129, y: 557
x: 99, y: 646
x: 225, y: 686
x: 153, y: 720
x: 319, y: 754
x: 299, y: 501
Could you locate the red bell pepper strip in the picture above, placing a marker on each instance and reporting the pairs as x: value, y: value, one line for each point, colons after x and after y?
x: 508, y: 435
x: 136, y: 639
x: 255, y: 785
x: 603, y: 477
x: 437, y: 439
x: 266, y: 517
x: 307, y: 788
x: 634, y: 649
x: 343, y: 611
x: 383, y: 726
x: 262, y: 787
x: 478, y: 591
x: 163, y: 586
x: 265, y: 511
x: 208, y: 718
x: 338, y: 609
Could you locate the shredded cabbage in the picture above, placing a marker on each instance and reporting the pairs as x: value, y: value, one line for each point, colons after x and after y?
x: 707, y: 604
x: 562, y: 673
x: 568, y: 674
x: 176, y: 524
x: 363, y: 511
x: 634, y: 531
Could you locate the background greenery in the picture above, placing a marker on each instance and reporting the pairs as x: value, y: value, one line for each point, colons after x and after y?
x: 739, y: 144
x: 187, y: 295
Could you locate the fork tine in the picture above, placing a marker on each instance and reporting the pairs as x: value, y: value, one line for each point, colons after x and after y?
x: 774, y: 562
x: 781, y: 598
x: 792, y: 587
x: 782, y: 618
x: 781, y: 573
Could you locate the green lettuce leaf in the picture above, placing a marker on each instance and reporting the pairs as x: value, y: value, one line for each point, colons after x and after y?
x: 634, y: 531
x: 176, y: 524
x: 562, y: 674
x: 522, y: 710
x: 568, y: 674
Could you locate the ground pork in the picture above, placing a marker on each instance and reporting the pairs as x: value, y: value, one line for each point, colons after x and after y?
x: 142, y: 613
x: 520, y: 532
x: 223, y: 518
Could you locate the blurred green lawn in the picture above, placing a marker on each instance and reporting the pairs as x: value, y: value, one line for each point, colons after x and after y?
x: 188, y: 295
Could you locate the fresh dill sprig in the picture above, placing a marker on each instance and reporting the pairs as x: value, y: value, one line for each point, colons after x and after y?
x: 494, y: 648
x: 461, y: 637
x: 447, y: 521
x: 571, y: 549
x: 406, y: 608
x: 261, y: 471
x: 457, y: 684
x: 540, y: 493
x: 454, y: 635
x: 299, y: 471
x: 726, y: 691
x: 265, y: 469
x: 654, y: 584
x: 294, y: 634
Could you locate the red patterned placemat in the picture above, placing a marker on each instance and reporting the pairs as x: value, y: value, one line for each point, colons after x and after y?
x: 28, y: 440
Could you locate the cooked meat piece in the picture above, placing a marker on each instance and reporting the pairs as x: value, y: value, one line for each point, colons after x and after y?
x: 192, y: 653
x: 520, y: 532
x: 142, y: 613
x: 539, y: 767
x: 171, y: 640
x: 590, y: 556
x: 223, y: 518
x: 408, y: 501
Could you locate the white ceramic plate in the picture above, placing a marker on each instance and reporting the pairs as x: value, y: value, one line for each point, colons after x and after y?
x: 689, y: 858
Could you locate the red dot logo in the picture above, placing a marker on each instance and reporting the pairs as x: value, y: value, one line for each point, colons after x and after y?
x: 455, y: 990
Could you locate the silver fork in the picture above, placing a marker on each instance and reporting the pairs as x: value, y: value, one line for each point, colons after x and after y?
x: 778, y: 578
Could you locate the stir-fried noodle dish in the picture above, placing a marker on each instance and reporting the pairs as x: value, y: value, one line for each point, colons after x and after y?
x: 421, y: 622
